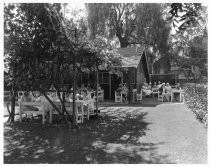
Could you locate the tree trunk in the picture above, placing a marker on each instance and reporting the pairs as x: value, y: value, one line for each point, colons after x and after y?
x: 123, y: 40
x: 123, y: 43
x: 12, y: 115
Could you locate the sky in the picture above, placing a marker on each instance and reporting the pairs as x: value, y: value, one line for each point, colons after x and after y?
x: 75, y: 6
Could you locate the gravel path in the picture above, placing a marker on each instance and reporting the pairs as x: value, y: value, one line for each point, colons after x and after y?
x: 178, y: 136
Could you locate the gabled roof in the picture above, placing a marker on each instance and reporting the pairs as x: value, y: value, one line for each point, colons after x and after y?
x: 130, y: 56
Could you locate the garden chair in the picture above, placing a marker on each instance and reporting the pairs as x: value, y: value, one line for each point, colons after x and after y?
x: 154, y: 91
x: 134, y: 92
x: 23, y: 110
x: 69, y: 108
x: 139, y: 96
x: 101, y: 95
x: 118, y: 97
x: 160, y: 97
x: 20, y: 94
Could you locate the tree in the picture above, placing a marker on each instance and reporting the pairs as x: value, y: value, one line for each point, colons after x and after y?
x: 40, y: 48
x: 189, y: 43
x: 30, y: 44
x: 185, y: 15
x: 132, y: 24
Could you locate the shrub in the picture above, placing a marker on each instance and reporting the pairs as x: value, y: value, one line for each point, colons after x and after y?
x: 196, y: 100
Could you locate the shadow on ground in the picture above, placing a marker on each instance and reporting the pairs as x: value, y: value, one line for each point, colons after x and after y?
x: 111, y: 138
x: 145, y: 102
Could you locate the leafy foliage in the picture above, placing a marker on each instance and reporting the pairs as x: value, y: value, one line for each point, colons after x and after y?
x: 133, y: 24
x: 185, y: 14
x: 129, y: 22
x: 196, y: 99
x: 40, y: 47
x: 38, y: 39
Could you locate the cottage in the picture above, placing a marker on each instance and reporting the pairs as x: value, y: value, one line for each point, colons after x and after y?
x: 133, y: 58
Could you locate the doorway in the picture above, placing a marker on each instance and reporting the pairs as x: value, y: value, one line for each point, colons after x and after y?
x: 115, y: 81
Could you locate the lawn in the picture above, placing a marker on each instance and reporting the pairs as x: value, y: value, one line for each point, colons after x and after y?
x: 111, y: 138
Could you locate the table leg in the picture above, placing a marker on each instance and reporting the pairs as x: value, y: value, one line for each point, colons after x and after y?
x: 20, y: 112
x: 82, y: 113
x: 88, y: 114
x: 43, y: 117
x: 172, y: 97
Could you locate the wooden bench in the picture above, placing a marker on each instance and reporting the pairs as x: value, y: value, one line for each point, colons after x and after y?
x: 69, y: 108
x: 23, y: 110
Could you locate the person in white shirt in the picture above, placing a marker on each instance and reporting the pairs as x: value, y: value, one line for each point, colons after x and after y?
x: 159, y: 85
x: 27, y: 97
x: 154, y: 85
x: 146, y: 89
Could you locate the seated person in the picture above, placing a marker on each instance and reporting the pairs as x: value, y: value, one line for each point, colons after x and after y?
x: 78, y: 96
x: 162, y: 89
x: 149, y: 86
x: 89, y: 87
x: 154, y: 85
x: 86, y: 96
x: 46, y: 106
x: 119, y: 89
x: 26, y: 97
x: 82, y: 88
x: 124, y: 92
x: 163, y: 92
x: 178, y: 86
x: 99, y: 87
x: 146, y: 90
x: 159, y: 84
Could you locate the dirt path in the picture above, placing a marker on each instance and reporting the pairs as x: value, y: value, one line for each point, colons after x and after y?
x: 166, y: 133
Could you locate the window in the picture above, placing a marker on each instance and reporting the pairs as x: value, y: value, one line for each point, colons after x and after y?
x: 133, y: 77
x: 105, y: 78
x: 138, y: 77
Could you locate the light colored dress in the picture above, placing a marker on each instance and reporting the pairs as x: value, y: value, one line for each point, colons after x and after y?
x: 46, y: 104
x: 28, y: 98
x: 146, y: 90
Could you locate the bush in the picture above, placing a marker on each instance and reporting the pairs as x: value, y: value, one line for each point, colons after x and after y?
x: 196, y: 100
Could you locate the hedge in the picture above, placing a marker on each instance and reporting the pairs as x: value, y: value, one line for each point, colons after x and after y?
x: 196, y: 99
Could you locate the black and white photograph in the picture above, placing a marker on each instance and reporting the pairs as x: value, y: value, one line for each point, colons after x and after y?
x: 105, y: 82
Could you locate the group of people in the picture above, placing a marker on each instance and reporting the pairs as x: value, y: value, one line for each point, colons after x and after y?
x: 28, y: 97
x: 80, y: 94
x: 164, y: 89
x: 123, y: 89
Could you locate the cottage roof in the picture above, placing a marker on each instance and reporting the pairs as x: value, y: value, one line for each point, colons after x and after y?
x: 130, y: 56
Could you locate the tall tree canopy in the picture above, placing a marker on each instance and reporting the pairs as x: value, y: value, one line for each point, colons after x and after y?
x: 40, y: 47
x: 130, y: 23
x: 189, y: 43
x: 133, y: 24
